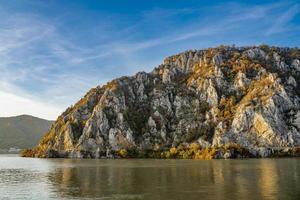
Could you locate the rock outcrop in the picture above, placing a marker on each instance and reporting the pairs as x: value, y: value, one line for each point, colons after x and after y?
x: 246, y: 96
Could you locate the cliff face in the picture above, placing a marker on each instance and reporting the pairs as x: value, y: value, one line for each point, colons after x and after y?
x: 248, y: 96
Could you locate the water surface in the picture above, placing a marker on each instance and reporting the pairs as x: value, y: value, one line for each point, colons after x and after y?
x: 32, y: 178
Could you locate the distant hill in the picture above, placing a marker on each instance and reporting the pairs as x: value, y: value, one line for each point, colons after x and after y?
x: 22, y: 131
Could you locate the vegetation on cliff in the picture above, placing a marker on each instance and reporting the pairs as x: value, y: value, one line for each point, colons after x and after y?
x: 223, y: 102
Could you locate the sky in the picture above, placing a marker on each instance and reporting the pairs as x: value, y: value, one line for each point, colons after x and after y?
x: 52, y: 52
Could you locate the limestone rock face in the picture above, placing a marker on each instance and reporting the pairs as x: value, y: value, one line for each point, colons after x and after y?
x: 217, y: 96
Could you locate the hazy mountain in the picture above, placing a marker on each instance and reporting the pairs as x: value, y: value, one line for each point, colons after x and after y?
x: 22, y: 131
x: 216, y: 102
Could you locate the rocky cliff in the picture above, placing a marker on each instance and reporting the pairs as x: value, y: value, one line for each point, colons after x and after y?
x: 215, y: 101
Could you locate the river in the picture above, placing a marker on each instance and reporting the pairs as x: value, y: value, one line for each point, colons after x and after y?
x: 32, y: 178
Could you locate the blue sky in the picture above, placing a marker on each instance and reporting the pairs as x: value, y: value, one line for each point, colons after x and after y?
x: 52, y: 52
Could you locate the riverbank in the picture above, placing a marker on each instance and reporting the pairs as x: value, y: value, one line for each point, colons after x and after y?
x: 182, y: 151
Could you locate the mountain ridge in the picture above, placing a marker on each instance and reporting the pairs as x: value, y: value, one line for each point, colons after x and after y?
x: 25, y: 115
x: 22, y: 131
x: 211, y: 103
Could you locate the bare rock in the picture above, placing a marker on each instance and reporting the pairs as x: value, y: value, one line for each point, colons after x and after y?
x: 214, y: 97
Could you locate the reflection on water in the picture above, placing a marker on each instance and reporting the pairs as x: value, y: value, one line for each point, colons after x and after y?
x: 149, y: 179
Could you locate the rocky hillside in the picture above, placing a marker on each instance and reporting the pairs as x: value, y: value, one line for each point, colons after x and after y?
x: 22, y: 131
x: 211, y: 103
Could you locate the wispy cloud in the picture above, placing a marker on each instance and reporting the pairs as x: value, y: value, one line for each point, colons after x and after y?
x: 281, y: 22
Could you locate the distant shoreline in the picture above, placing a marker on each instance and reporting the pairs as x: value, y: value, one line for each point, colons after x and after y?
x: 10, y: 151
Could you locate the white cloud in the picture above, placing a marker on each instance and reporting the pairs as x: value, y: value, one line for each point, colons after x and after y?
x: 12, y: 105
x: 280, y: 24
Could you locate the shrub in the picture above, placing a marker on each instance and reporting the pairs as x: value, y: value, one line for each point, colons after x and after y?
x: 137, y: 117
x: 77, y: 128
x: 173, y: 151
x: 264, y: 47
x: 27, y: 153
x: 206, y: 154
x: 226, y: 108
x: 296, y: 151
x: 236, y: 150
x: 123, y: 153
x: 167, y: 155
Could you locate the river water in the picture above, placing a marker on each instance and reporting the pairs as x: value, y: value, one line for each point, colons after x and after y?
x: 32, y: 178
